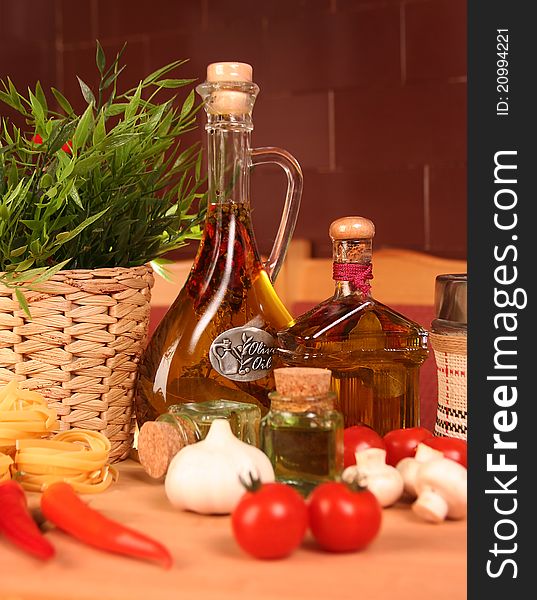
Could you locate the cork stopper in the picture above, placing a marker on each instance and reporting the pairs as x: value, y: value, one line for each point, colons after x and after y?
x: 302, y: 389
x: 352, y: 228
x: 229, y: 71
x: 294, y: 382
x: 158, y: 443
x: 228, y: 90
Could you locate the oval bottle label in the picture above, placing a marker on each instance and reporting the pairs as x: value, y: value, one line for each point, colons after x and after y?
x: 243, y: 353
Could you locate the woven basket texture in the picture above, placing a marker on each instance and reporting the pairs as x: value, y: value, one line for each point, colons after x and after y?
x: 81, y: 346
x: 451, y: 366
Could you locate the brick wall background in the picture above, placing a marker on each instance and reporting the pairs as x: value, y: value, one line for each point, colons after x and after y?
x: 369, y: 95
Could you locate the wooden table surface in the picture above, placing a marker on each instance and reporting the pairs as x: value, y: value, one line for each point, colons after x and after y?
x: 409, y: 559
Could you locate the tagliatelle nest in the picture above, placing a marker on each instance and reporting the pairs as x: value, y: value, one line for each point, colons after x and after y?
x: 24, y: 414
x: 77, y: 456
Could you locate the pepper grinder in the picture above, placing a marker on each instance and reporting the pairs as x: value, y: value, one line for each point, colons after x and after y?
x: 448, y: 339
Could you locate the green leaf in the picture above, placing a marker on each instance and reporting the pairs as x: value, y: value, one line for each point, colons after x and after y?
x: 84, y: 165
x: 159, y: 267
x: 116, y: 109
x: 60, y: 134
x: 115, y: 62
x: 25, y: 264
x: 62, y: 101
x: 173, y: 83
x: 132, y: 107
x: 69, y: 235
x: 73, y: 193
x: 52, y: 192
x: 46, y: 181
x: 32, y: 224
x: 48, y: 273
x: 15, y: 97
x: 99, y: 132
x: 86, y: 91
x: 108, y: 82
x: 26, y: 276
x: 7, y: 99
x: 119, y: 140
x: 40, y: 95
x: 188, y: 104
x: 18, y: 251
x: 162, y: 71
x: 100, y: 58
x: 83, y: 128
x: 66, y: 171
x: 21, y: 298
x: 37, y: 111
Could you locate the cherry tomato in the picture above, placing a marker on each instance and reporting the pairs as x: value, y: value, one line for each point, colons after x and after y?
x: 270, y: 521
x: 359, y: 437
x: 401, y: 443
x: 453, y: 448
x: 343, y: 519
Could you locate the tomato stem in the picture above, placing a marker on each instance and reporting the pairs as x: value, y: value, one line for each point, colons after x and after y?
x: 355, y: 484
x: 253, y: 484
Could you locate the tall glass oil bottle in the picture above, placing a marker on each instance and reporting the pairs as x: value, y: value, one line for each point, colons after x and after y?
x: 374, y: 352
x: 217, y: 340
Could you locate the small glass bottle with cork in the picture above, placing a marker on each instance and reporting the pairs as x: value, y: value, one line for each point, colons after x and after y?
x: 374, y: 352
x: 303, y: 433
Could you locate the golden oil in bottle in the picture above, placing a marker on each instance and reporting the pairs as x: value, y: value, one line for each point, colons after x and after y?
x: 374, y: 352
x: 303, y: 433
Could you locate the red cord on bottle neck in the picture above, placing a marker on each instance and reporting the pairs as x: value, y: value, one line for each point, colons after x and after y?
x: 356, y: 274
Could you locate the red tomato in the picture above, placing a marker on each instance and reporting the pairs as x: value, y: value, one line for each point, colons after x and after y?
x: 343, y: 519
x: 401, y: 443
x: 453, y: 448
x: 271, y: 521
x: 359, y: 437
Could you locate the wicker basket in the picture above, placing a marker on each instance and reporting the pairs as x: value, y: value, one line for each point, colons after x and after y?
x: 81, y: 346
x: 452, y: 411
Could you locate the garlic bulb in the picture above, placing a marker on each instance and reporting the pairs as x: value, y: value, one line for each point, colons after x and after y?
x: 371, y: 470
x: 205, y: 477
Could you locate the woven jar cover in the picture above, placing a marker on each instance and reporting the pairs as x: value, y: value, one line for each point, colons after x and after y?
x: 81, y: 347
x: 452, y: 412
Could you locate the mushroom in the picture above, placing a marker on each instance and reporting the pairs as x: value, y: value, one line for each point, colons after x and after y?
x: 441, y: 489
x: 408, y: 467
x: 371, y: 470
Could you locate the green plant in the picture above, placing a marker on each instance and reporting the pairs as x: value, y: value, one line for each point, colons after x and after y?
x: 109, y: 187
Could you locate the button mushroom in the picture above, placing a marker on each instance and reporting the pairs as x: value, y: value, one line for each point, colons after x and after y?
x: 408, y: 467
x: 441, y: 489
x: 371, y: 471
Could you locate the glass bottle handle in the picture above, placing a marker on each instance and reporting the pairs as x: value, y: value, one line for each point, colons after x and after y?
x: 289, y: 164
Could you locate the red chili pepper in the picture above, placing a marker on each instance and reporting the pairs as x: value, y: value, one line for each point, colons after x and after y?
x: 16, y: 522
x: 63, y: 507
x: 37, y: 139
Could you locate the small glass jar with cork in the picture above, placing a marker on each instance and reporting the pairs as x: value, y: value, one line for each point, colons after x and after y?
x: 184, y: 424
x: 303, y: 433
